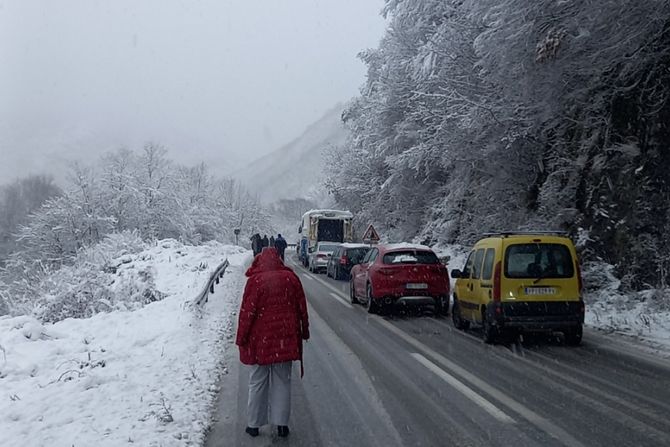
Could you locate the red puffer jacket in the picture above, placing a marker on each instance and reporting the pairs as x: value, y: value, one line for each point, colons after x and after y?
x: 273, y: 316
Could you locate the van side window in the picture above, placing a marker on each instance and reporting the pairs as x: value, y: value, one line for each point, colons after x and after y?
x: 468, y: 265
x: 489, y: 257
x: 477, y: 265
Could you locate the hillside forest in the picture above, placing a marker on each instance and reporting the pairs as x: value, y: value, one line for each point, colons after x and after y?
x: 482, y: 115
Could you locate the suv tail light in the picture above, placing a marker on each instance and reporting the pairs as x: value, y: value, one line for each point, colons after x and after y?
x: 386, y: 271
x: 344, y: 260
x: 496, y: 281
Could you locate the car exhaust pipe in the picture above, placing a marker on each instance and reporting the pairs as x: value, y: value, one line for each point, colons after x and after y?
x: 388, y: 301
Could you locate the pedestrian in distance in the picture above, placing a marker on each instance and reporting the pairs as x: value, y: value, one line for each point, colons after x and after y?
x: 272, y: 241
x: 272, y: 325
x: 265, y: 241
x: 256, y: 243
x: 280, y: 245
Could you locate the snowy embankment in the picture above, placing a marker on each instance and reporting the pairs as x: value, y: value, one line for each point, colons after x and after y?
x: 142, y: 377
x: 643, y: 315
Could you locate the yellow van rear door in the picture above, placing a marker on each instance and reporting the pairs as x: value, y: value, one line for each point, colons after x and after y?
x: 536, y: 271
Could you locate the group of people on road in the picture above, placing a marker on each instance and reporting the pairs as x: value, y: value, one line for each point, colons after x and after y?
x: 258, y: 243
x: 272, y: 325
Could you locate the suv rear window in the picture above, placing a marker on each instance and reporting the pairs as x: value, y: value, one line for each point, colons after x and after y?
x: 411, y: 257
x: 538, y: 261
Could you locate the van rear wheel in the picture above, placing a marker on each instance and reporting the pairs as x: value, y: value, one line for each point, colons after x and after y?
x: 573, y: 336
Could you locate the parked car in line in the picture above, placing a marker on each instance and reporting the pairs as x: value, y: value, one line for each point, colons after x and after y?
x: 344, y: 258
x: 520, y: 282
x: 400, y: 274
x: 319, y: 255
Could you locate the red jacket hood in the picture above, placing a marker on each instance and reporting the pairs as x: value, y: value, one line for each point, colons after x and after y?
x: 268, y: 260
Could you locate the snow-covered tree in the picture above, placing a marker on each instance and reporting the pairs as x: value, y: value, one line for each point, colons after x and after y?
x: 490, y: 115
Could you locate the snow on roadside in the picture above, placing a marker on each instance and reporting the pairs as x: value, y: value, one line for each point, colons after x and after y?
x: 643, y: 315
x: 145, y: 377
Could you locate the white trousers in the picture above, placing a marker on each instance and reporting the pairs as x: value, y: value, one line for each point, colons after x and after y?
x: 269, y: 394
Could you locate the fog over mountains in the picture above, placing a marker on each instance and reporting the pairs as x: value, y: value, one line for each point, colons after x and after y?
x: 296, y: 170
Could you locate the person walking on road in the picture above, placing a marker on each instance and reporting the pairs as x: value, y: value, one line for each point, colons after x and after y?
x: 272, y: 325
x: 272, y: 241
x: 280, y: 245
x: 265, y: 242
x: 256, y: 243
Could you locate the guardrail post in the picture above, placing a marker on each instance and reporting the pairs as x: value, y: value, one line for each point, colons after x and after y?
x: 217, y: 278
x: 211, y: 288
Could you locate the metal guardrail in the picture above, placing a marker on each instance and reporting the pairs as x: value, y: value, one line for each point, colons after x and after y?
x: 203, y: 297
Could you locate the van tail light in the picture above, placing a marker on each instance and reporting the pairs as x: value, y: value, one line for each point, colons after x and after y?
x: 343, y: 260
x: 580, y: 283
x: 496, y: 282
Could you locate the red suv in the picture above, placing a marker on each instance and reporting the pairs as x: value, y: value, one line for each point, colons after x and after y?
x: 400, y: 273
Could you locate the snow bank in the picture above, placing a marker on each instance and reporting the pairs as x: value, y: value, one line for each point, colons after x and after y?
x: 644, y: 315
x: 145, y: 377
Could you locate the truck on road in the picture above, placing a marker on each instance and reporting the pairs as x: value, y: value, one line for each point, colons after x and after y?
x: 323, y: 225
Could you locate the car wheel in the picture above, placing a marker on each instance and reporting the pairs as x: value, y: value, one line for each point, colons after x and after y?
x: 372, y: 305
x: 573, y: 336
x: 441, y: 306
x: 490, y: 332
x: 352, y: 293
x: 456, y: 317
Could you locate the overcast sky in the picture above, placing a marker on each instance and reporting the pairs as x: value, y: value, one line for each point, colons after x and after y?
x: 208, y: 78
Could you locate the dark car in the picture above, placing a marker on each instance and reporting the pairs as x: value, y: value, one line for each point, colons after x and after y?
x: 400, y: 274
x: 344, y: 258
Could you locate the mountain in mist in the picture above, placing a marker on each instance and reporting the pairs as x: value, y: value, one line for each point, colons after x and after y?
x: 296, y: 169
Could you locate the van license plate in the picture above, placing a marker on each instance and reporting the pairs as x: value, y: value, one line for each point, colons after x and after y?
x: 540, y: 291
x: 417, y: 286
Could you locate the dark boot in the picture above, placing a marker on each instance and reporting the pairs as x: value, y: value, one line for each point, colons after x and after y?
x: 282, y: 431
x: 252, y: 431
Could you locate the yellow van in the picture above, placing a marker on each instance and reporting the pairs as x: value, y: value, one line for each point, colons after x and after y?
x: 520, y: 282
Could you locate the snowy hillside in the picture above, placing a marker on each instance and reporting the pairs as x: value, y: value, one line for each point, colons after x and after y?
x: 296, y: 169
x: 142, y: 377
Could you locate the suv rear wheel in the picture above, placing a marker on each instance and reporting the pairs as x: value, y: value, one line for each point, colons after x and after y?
x: 373, y: 306
x: 441, y: 306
